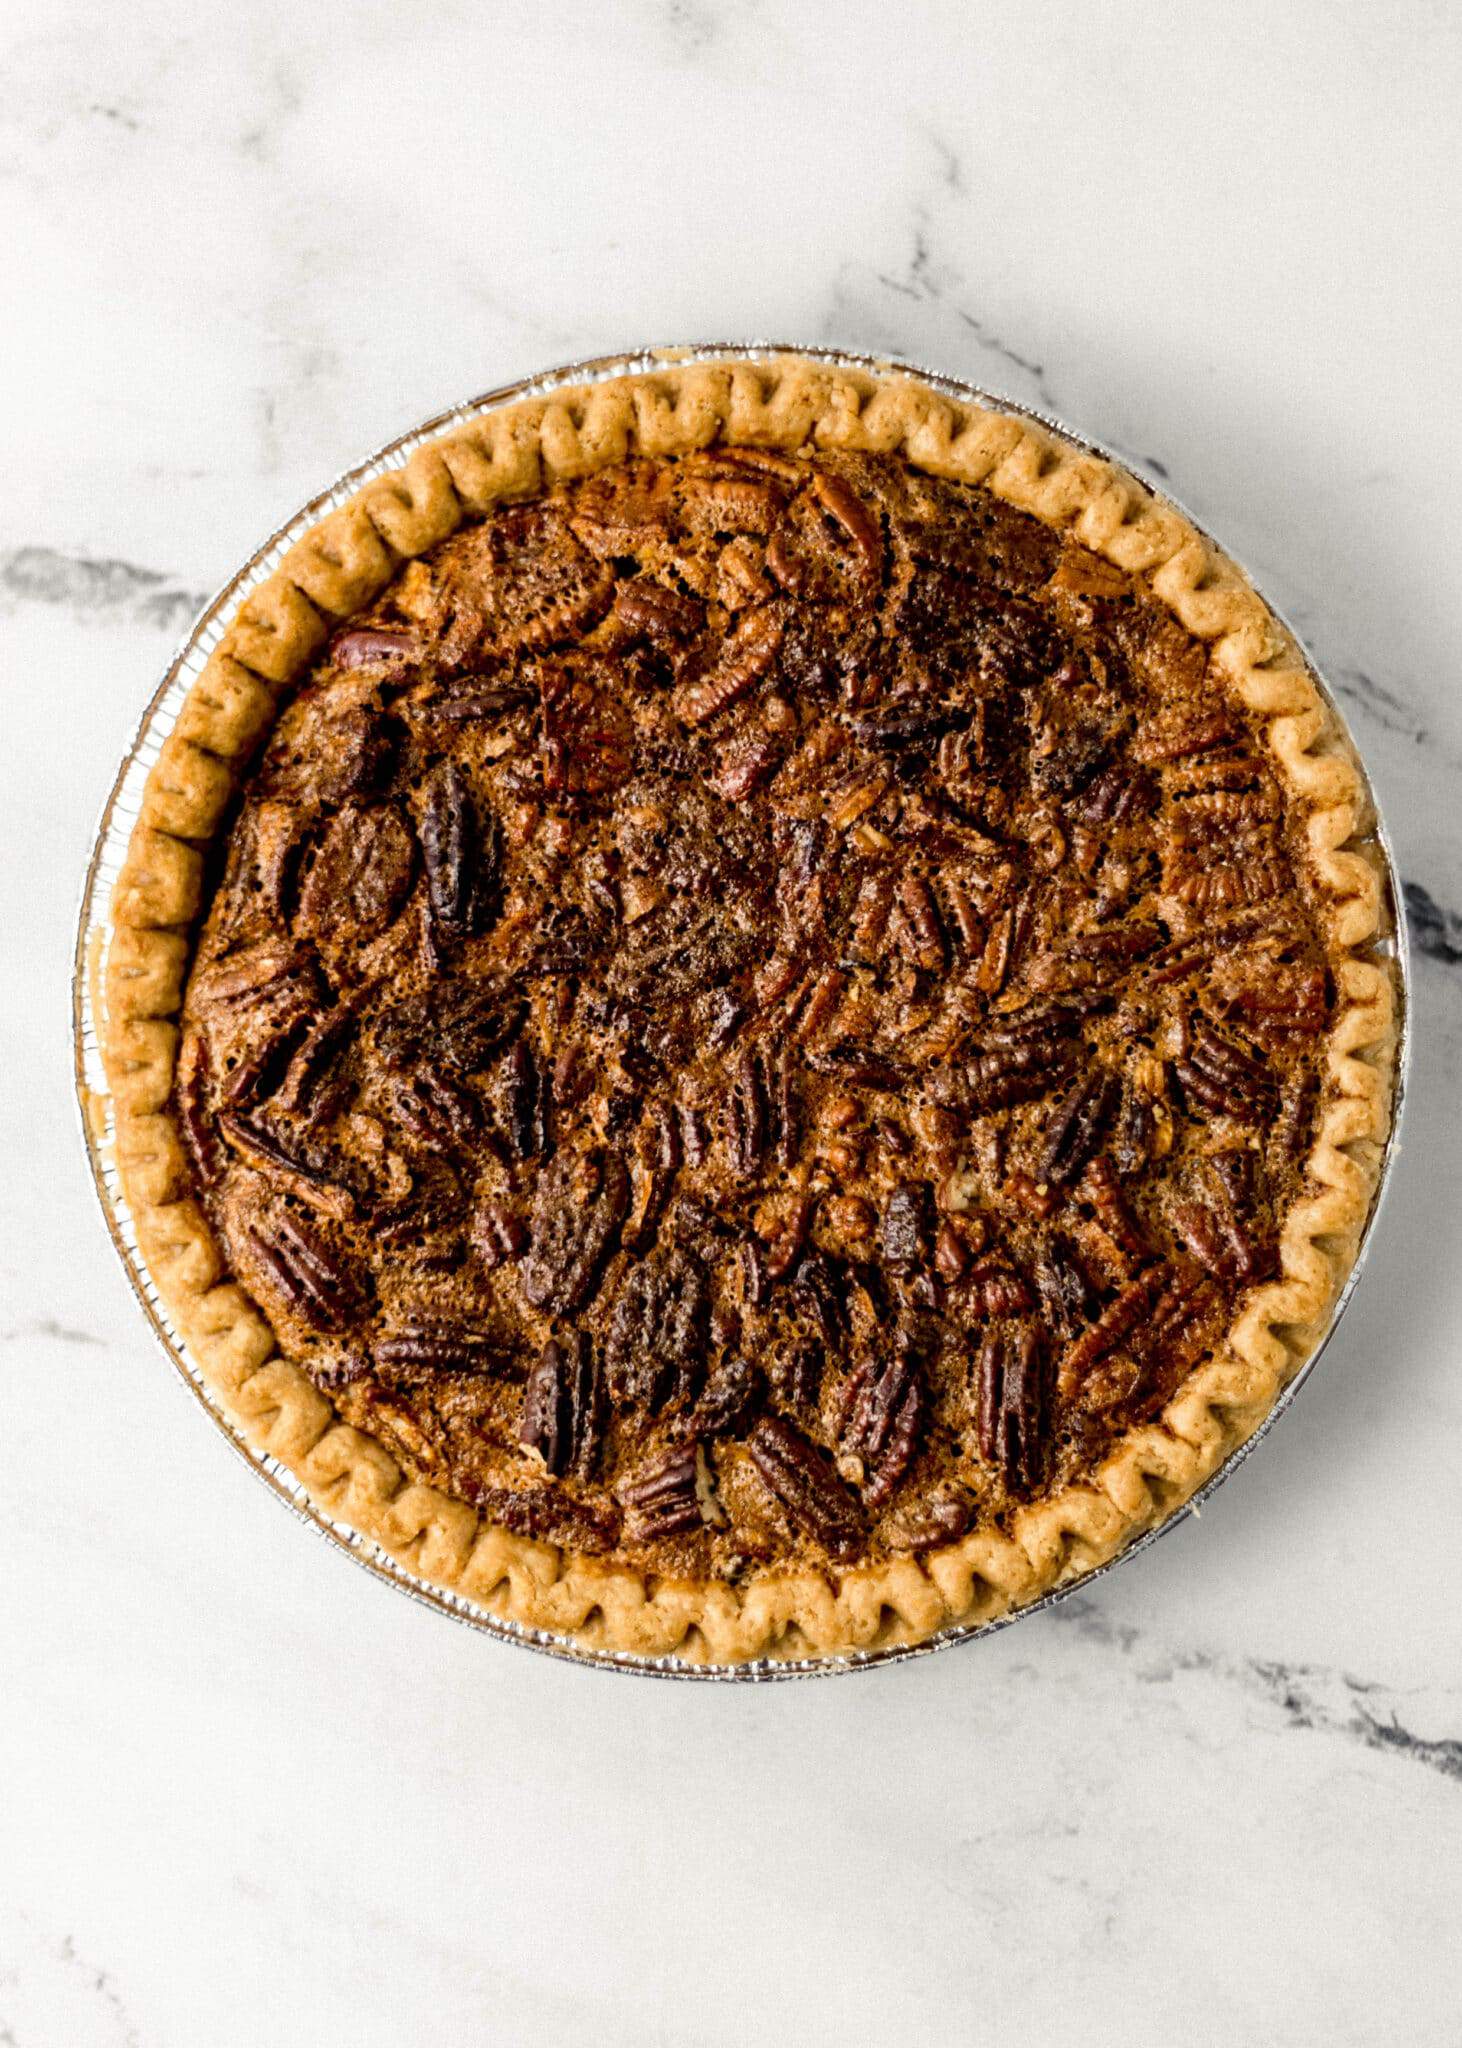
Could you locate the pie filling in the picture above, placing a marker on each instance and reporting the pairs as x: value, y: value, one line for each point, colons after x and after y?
x: 756, y: 1011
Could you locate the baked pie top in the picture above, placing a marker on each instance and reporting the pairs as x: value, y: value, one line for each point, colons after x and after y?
x: 762, y: 1015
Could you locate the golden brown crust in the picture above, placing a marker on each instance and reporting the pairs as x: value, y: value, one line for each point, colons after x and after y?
x: 341, y: 565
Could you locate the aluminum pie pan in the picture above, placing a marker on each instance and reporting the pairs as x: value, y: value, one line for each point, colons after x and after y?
x: 97, y: 1119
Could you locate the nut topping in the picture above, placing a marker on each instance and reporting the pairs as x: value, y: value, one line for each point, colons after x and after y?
x: 756, y: 1007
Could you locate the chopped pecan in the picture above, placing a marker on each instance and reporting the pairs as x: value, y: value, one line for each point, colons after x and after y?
x: 1101, y: 1187
x: 743, y: 658
x: 1116, y: 945
x: 462, y: 850
x: 942, y: 1517
x: 993, y: 1289
x: 320, y: 1286
x: 574, y: 1229
x: 562, y: 1416
x: 546, y: 1513
x: 800, y: 1478
x: 657, y: 612
x: 1292, y: 1131
x: 746, y: 1119
x: 1012, y: 1404
x: 655, y: 1349
x: 797, y: 1372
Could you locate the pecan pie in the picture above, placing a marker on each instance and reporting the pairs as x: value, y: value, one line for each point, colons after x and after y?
x: 741, y: 1014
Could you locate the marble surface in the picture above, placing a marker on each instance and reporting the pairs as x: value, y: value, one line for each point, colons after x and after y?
x: 247, y: 1794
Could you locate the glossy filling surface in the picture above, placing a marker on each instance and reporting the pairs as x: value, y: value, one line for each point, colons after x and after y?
x: 755, y: 1010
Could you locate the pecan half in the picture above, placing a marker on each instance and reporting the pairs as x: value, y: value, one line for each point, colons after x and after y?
x: 562, y: 1417
x: 462, y: 849
x: 1012, y: 1404
x: 573, y: 1230
x: 730, y: 1395
x: 1075, y: 1128
x: 435, y: 1108
x: 1217, y: 1075
x: 361, y: 873
x: 322, y: 1288
x: 655, y: 1349
x: 882, y: 1421
x: 191, y: 1099
x: 664, y: 1497
x: 743, y: 658
x: 800, y: 1478
x: 437, y: 1345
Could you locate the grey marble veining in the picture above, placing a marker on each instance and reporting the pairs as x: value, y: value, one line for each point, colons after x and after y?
x: 246, y: 1794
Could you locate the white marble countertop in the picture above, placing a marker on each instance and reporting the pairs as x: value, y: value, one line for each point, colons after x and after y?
x: 246, y: 1794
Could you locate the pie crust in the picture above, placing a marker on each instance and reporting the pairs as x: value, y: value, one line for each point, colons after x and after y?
x: 339, y: 567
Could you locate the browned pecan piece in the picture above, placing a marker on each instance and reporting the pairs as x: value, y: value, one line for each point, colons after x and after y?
x: 588, y: 733
x: 361, y: 872
x: 994, y: 1289
x: 1005, y: 943
x: 474, y: 701
x: 1116, y: 945
x: 1000, y: 1075
x: 858, y: 522
x: 527, y: 1104
x: 315, y: 1084
x: 655, y: 1349
x: 1173, y: 1335
x: 1219, y: 1231
x: 1293, y: 1128
x: 301, y: 1167
x: 883, y: 1419
x: 942, y: 1517
x: 903, y: 1230
x: 435, y: 1108
x: 519, y: 582
x: 1101, y: 1187
x: 256, y: 974
x: 547, y: 1514
x: 322, y: 1288
x: 1065, y: 1294
x: 1275, y: 1000
x: 742, y: 659
x: 797, y: 1371
x: 1220, y: 1076
x: 800, y: 1477
x: 1120, y: 793
x: 191, y: 1102
x: 663, y: 1498
x: 578, y: 1207
x: 917, y: 928
x: 657, y: 613
x: 460, y: 1024
x: 562, y: 1417
x: 731, y: 1393
x: 1075, y: 1128
x: 1109, y: 1329
x: 461, y: 846
x: 499, y: 1234
x: 373, y: 647
x: 746, y: 1118
x: 1012, y: 1404
x: 744, y: 766
x: 1133, y: 1130
x: 436, y: 1345
x: 728, y: 504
